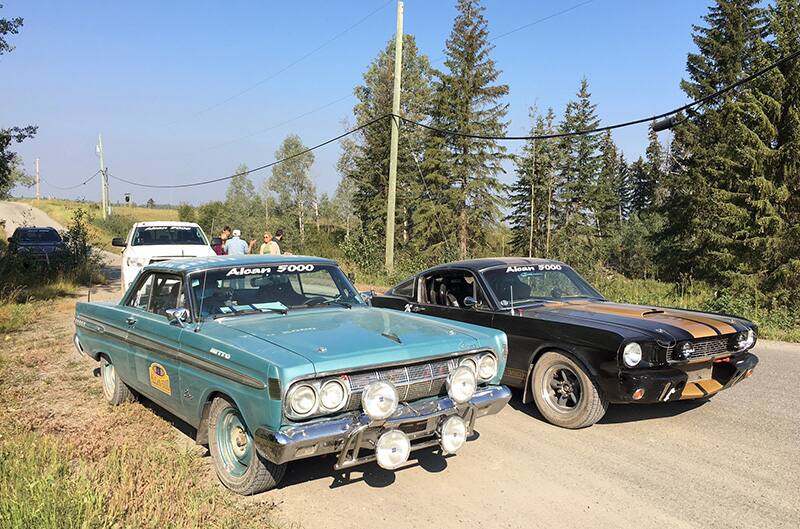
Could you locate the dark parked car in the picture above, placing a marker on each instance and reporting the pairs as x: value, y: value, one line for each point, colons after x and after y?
x: 571, y: 350
x: 37, y: 244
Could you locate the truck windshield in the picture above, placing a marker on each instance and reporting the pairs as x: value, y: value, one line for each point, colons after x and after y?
x: 270, y: 288
x: 153, y: 235
x: 520, y: 285
x: 34, y: 236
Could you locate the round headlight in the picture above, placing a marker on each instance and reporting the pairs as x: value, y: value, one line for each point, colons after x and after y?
x: 453, y: 434
x: 332, y: 395
x: 745, y: 339
x: 487, y: 367
x: 470, y: 363
x: 461, y: 384
x: 302, y: 399
x: 379, y: 400
x: 632, y: 354
x: 392, y: 449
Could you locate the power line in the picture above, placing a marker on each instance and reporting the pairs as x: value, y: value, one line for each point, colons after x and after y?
x: 290, y: 65
x: 684, y: 108
x: 539, y: 21
x: 72, y: 187
x: 260, y: 168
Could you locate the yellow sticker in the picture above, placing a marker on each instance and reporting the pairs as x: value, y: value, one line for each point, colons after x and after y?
x: 159, y: 378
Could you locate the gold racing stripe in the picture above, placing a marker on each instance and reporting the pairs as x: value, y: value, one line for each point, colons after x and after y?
x: 695, y: 328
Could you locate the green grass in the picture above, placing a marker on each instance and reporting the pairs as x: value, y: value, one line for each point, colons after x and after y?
x: 15, y: 316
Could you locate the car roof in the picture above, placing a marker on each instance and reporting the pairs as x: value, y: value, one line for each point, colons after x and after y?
x: 34, y: 228
x: 164, y: 223
x: 485, y: 263
x: 195, y: 264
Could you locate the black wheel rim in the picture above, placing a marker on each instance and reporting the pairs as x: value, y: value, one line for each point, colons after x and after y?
x: 561, y: 388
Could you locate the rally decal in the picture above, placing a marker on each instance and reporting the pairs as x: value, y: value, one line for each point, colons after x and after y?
x: 159, y: 378
x: 533, y: 268
x: 280, y: 269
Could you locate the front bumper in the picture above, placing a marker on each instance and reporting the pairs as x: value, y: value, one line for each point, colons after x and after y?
x: 348, y: 435
x: 674, y: 383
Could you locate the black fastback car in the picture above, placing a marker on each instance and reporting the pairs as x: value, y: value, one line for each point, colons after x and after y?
x: 571, y: 350
x: 37, y: 244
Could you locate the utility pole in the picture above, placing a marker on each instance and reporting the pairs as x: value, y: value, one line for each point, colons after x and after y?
x: 103, y: 183
x: 391, y: 199
x: 38, y: 194
x: 533, y: 197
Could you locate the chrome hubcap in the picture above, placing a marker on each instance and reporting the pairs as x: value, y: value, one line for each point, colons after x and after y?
x: 109, y: 380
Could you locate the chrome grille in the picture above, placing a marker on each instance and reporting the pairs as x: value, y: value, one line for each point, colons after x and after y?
x: 703, y: 348
x: 413, y: 382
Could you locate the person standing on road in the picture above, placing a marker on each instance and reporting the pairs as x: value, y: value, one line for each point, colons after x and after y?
x: 269, y: 246
x: 235, y: 245
x: 219, y: 249
x: 278, y: 239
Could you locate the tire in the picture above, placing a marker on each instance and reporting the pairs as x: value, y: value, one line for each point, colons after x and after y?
x: 565, y: 393
x: 115, y: 390
x: 238, y: 464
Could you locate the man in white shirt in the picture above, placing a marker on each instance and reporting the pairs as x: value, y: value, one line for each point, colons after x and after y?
x: 235, y: 245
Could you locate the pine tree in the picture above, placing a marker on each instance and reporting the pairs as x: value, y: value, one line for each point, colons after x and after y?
x: 577, y: 169
x: 624, y: 192
x: 463, y: 171
x: 606, y: 200
x: 783, y: 251
x: 368, y: 164
x: 531, y: 195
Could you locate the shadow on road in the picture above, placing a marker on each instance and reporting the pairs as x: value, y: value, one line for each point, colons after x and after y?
x: 620, y: 413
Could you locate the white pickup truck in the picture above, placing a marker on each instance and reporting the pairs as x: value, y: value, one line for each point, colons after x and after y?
x: 151, y: 242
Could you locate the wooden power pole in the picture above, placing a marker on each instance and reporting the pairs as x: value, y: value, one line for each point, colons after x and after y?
x: 38, y: 189
x: 392, y: 192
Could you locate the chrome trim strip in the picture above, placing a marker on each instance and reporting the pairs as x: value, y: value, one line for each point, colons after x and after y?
x: 182, y: 356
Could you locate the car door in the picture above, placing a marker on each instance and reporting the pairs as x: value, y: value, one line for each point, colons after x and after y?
x: 154, y: 339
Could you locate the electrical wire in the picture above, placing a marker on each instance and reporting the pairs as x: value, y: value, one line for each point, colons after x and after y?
x: 288, y: 66
x: 539, y: 21
x: 259, y: 168
x: 71, y: 187
x: 684, y: 108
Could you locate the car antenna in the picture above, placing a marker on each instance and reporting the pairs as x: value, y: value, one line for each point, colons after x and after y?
x: 512, y: 299
x: 202, y: 298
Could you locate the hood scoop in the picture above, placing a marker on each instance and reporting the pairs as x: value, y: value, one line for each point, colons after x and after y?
x: 652, y: 312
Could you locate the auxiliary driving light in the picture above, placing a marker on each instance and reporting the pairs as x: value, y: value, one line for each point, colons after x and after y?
x: 461, y: 384
x: 380, y: 400
x: 453, y: 434
x: 392, y: 449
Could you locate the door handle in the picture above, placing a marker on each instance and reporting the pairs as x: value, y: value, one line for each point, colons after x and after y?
x: 130, y: 320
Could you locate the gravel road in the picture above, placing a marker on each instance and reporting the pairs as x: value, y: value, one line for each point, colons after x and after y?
x: 731, y: 462
x: 17, y: 214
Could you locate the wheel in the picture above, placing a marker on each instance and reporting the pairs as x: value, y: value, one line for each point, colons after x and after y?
x: 564, y: 392
x: 114, y: 389
x: 236, y: 460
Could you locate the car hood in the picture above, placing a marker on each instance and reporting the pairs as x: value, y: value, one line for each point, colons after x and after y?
x: 654, y: 321
x: 336, y: 339
x: 169, y: 251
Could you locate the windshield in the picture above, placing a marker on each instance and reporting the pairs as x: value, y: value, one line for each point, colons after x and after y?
x: 531, y: 283
x: 270, y: 288
x: 152, y: 235
x: 39, y: 236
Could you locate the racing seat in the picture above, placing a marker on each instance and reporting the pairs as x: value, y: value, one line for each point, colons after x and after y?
x: 445, y: 298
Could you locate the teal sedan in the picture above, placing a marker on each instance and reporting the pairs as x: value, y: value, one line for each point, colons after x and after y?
x: 274, y: 359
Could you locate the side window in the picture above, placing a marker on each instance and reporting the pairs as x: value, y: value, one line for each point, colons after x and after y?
x: 449, y: 289
x: 141, y: 298
x: 405, y: 289
x: 167, y: 294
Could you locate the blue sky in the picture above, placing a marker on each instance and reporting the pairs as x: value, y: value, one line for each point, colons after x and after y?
x: 154, y: 78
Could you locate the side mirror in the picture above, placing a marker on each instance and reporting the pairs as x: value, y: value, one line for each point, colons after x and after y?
x: 179, y: 315
x: 351, y: 276
x: 216, y: 241
x: 10, y: 239
x: 118, y: 241
x: 367, y: 296
x: 470, y: 302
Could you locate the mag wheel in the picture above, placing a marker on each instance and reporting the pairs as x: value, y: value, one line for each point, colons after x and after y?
x: 236, y: 460
x: 114, y: 389
x: 564, y: 392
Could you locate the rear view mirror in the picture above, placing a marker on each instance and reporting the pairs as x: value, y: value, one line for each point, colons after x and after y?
x: 10, y: 239
x: 367, y: 296
x: 352, y: 277
x: 118, y: 241
x: 216, y: 241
